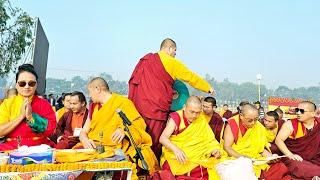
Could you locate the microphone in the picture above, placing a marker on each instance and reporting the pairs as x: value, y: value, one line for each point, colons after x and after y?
x: 123, y: 117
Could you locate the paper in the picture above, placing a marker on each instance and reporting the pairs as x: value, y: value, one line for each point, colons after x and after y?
x: 266, y: 160
x: 76, y: 132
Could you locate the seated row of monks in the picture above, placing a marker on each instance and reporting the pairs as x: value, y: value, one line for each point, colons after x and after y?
x: 195, y: 140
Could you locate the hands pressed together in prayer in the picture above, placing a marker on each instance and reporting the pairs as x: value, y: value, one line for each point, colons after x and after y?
x: 26, y: 110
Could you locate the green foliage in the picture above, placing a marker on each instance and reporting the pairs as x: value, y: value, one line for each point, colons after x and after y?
x: 15, y: 35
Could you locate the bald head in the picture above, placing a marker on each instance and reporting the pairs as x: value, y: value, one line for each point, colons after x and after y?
x: 99, y: 82
x: 193, y: 101
x: 249, y: 109
x: 167, y: 43
x: 309, y: 105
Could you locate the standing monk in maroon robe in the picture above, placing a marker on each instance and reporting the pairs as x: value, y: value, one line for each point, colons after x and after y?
x: 151, y: 87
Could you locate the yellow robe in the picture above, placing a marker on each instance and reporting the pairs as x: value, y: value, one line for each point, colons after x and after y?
x: 178, y: 70
x: 271, y: 135
x: 252, y: 144
x: 198, y: 142
x: 107, y: 120
x: 60, y: 113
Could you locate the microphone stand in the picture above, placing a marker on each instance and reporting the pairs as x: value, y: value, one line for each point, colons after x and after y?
x: 138, y: 149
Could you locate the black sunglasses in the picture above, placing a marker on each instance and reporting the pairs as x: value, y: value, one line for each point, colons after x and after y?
x: 24, y: 83
x: 302, y: 111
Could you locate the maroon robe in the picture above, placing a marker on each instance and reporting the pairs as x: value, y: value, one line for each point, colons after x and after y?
x: 216, y: 123
x: 151, y: 91
x: 308, y: 147
x: 64, y: 129
x: 227, y: 114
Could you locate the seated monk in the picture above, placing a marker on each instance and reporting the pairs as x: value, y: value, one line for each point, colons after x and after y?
x: 68, y: 129
x: 25, y: 119
x: 190, y: 149
x: 66, y: 105
x: 225, y: 112
x: 214, y: 119
x: 270, y: 122
x: 299, y: 140
x: 245, y: 136
x: 106, y: 126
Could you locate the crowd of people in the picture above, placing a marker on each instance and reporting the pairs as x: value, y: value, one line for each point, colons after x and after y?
x: 194, y: 141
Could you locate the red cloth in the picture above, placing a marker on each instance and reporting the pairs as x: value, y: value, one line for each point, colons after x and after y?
x: 275, y: 172
x: 155, y: 128
x: 216, y: 123
x: 64, y: 128
x: 235, y: 129
x: 176, y: 118
x: 151, y: 88
x: 308, y: 147
x: 227, y: 114
x: 43, y: 109
x: 197, y: 173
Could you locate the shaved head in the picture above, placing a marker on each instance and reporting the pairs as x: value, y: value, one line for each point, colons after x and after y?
x: 310, y: 105
x: 99, y: 82
x: 193, y: 101
x: 249, y: 108
x: 167, y: 43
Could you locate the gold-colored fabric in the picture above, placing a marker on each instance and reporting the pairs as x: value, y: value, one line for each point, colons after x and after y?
x: 107, y: 120
x: 10, y: 109
x: 251, y: 144
x: 70, y: 167
x: 198, y: 142
x: 177, y: 70
x: 60, y: 113
x: 271, y: 136
x: 77, y: 155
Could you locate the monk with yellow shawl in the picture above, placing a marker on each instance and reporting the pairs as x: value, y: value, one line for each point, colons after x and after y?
x: 271, y: 123
x: 244, y: 136
x: 189, y: 145
x: 106, y: 125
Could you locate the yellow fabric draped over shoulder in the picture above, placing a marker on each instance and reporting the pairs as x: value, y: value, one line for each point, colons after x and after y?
x: 251, y: 145
x: 10, y: 109
x: 107, y: 120
x: 178, y: 70
x: 271, y: 136
x: 198, y: 142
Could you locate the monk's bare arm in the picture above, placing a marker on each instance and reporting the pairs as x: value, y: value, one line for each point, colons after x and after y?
x: 164, y: 140
x: 83, y: 137
x: 167, y: 132
x: 283, y: 134
x: 228, y: 142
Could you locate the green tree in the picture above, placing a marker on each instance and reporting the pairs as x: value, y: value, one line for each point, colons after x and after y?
x: 15, y: 35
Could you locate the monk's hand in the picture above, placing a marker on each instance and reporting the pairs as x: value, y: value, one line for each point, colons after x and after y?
x: 88, y: 143
x: 295, y: 157
x: 118, y: 135
x: 59, y: 138
x: 180, y: 155
x: 28, y: 111
x: 216, y: 153
x: 212, y: 91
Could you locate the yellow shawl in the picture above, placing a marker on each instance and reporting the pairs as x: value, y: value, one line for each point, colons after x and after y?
x: 252, y: 144
x: 107, y: 120
x: 197, y: 142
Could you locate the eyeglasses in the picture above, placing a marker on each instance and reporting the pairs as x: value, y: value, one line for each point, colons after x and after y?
x: 24, y: 83
x: 302, y: 111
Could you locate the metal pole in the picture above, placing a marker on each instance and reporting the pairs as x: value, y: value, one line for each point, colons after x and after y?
x: 259, y: 90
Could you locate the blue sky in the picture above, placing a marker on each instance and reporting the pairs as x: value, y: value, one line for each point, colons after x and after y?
x: 226, y: 39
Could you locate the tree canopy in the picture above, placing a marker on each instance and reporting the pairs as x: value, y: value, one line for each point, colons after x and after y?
x: 15, y: 35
